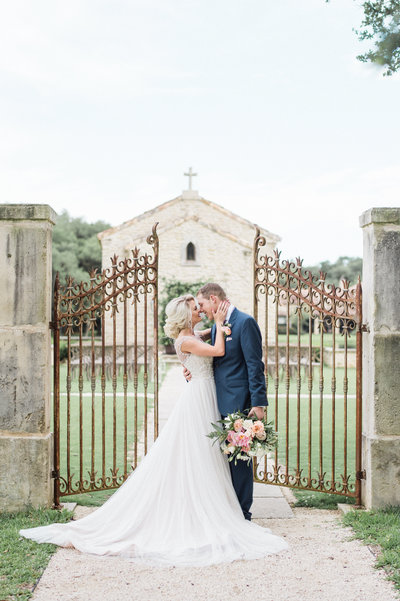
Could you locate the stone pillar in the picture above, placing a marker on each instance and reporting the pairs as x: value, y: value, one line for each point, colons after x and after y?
x: 25, y: 360
x: 381, y: 357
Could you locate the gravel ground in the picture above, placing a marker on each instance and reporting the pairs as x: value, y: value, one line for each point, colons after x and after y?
x: 322, y: 564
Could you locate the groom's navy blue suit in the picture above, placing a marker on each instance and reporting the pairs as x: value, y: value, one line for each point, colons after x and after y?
x: 240, y: 382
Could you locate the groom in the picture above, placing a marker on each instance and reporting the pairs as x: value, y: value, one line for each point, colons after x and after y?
x: 239, y: 377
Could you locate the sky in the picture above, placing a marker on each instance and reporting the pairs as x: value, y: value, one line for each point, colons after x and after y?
x: 105, y: 104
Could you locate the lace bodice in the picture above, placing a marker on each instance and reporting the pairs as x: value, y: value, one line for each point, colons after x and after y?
x: 199, y: 367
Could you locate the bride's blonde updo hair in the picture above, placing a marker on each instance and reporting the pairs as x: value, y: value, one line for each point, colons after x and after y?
x: 179, y: 315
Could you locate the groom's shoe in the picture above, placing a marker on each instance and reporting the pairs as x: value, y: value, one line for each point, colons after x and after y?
x: 247, y: 516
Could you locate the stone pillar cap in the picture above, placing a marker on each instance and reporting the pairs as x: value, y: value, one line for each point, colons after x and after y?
x: 380, y: 215
x: 27, y: 212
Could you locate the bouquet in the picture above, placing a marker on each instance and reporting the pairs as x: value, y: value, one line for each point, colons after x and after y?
x: 242, y: 437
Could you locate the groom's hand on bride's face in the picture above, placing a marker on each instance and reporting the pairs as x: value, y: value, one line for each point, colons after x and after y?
x: 186, y: 374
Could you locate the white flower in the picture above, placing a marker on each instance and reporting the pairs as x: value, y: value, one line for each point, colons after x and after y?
x: 227, y: 449
x: 247, y: 424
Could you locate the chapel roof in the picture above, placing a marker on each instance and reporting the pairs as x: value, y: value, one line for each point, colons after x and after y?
x: 184, y: 197
x: 209, y: 226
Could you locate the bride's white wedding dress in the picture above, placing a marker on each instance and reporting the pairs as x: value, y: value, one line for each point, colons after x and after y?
x: 179, y: 506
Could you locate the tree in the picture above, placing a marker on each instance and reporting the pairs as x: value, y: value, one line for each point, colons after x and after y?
x: 381, y: 24
x: 76, y: 249
x: 348, y: 268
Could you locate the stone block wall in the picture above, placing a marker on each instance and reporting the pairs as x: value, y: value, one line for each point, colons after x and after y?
x: 381, y: 357
x: 25, y: 366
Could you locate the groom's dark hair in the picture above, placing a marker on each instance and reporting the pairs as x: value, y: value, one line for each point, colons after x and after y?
x: 212, y: 289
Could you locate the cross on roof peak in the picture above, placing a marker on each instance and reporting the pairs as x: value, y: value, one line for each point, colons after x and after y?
x: 190, y: 174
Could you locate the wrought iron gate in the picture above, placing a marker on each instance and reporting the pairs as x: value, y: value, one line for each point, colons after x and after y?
x: 106, y: 387
x: 312, y: 336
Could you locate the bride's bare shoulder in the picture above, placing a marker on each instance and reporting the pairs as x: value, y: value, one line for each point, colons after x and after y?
x: 183, y: 342
x: 180, y: 344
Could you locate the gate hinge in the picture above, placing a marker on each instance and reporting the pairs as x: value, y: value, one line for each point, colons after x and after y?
x: 55, y: 474
x: 364, y: 327
x: 361, y: 475
x: 52, y: 325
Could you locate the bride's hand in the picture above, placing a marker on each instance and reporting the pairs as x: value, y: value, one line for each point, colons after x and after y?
x: 221, y: 312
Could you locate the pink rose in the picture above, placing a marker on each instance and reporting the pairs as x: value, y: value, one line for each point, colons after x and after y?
x: 258, y: 428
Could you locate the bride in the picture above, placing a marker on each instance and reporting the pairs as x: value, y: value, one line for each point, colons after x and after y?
x: 179, y: 506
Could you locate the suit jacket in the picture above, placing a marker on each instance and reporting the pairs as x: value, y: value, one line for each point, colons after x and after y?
x: 239, y: 374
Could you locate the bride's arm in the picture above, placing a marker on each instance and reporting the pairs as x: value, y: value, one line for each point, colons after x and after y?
x: 197, y: 347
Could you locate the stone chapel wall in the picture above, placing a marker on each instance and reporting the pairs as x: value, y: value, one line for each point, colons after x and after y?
x: 222, y: 243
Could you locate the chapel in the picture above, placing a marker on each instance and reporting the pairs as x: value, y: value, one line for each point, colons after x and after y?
x: 199, y: 240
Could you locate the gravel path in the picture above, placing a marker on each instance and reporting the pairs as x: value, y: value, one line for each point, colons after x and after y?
x: 322, y: 564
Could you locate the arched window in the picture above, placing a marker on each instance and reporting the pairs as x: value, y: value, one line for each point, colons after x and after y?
x: 190, y: 252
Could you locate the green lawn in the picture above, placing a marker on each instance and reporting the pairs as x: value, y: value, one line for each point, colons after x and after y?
x: 316, y: 340
x: 23, y: 561
x: 319, y: 500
